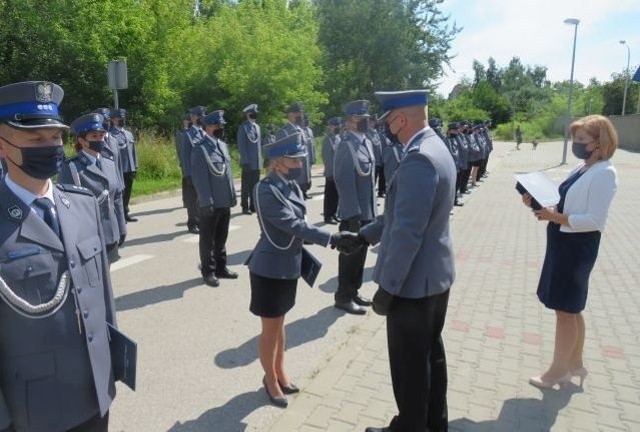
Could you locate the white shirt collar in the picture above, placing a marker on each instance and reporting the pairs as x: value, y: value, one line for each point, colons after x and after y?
x: 358, y: 135
x: 416, y: 134
x: 91, y: 157
x: 26, y: 196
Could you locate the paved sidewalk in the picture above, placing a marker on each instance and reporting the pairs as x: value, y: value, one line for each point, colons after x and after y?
x: 497, y: 334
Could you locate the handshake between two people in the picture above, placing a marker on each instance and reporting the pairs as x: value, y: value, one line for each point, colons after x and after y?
x: 348, y: 242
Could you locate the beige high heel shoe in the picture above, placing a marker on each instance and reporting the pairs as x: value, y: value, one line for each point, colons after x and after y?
x: 582, y: 373
x: 562, y: 381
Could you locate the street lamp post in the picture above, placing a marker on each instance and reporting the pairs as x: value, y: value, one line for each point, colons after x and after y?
x: 574, y: 22
x: 626, y: 81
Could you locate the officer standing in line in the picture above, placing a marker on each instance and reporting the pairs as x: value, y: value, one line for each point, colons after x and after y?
x: 329, y: 145
x: 310, y: 143
x: 372, y: 134
x: 128, y: 156
x: 354, y: 171
x: 56, y: 298
x: 268, y: 138
x: 452, y: 143
x: 110, y: 149
x: 415, y: 266
x: 249, y: 140
x: 392, y: 153
x: 213, y: 180
x: 97, y: 173
x: 189, y: 199
x: 296, y: 125
x: 489, y: 141
x: 191, y: 138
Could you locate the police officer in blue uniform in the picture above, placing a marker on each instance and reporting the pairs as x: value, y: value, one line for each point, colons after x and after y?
x: 415, y: 268
x: 128, y: 156
x: 213, y: 180
x: 276, y: 261
x: 329, y: 145
x: 451, y: 141
x: 249, y: 139
x: 268, y: 138
x: 354, y: 173
x: 97, y: 173
x: 55, y: 293
x: 190, y: 138
x: 110, y: 149
x: 295, y: 117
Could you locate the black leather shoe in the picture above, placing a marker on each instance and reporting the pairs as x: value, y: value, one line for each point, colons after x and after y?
x: 337, y: 219
x: 280, y: 402
x: 458, y: 204
x: 330, y: 221
x: 247, y: 212
x: 225, y: 273
x: 351, y: 307
x: 211, y: 280
x: 374, y: 429
x: 289, y: 390
x: 194, y: 229
x: 361, y: 301
x: 130, y: 218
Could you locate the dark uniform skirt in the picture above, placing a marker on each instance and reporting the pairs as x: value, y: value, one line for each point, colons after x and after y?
x: 271, y: 298
x: 568, y: 262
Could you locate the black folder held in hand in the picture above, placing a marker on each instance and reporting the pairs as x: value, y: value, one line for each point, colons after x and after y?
x: 543, y: 191
x: 124, y: 357
x: 310, y: 267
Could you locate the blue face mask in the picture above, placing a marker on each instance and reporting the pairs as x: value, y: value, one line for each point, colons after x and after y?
x: 40, y: 162
x: 293, y: 173
x: 580, y: 151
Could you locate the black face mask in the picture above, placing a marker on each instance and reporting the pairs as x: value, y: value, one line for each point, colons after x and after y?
x: 40, y: 162
x: 336, y: 130
x: 96, y: 146
x: 393, y: 137
x: 253, y: 116
x: 362, y: 125
x: 198, y: 121
x: 218, y: 133
x: 299, y: 121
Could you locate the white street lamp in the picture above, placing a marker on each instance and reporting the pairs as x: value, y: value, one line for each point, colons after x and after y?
x: 626, y: 81
x: 574, y: 22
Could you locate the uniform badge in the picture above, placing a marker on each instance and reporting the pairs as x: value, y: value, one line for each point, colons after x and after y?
x: 44, y: 92
x: 15, y: 212
x: 65, y: 201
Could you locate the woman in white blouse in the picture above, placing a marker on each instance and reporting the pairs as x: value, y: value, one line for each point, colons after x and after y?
x: 573, y: 238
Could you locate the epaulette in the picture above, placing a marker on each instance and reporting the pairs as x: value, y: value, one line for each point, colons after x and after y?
x: 74, y: 189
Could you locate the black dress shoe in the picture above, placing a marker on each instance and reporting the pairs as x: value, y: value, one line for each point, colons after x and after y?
x: 130, y: 218
x: 351, y: 307
x: 225, y: 273
x: 194, y: 229
x: 211, y: 280
x: 361, y: 301
x: 374, y: 429
x: 330, y: 221
x: 337, y: 219
x: 247, y: 212
x: 280, y: 402
x: 292, y: 389
x: 458, y: 204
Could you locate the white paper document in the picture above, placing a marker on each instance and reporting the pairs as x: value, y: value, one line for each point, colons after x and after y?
x: 540, y: 187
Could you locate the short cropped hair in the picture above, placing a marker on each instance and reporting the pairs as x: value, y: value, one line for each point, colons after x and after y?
x: 600, y: 128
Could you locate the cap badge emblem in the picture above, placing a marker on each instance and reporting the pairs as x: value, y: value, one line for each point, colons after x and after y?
x: 44, y: 92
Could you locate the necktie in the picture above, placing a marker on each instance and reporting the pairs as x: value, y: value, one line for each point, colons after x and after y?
x: 50, y: 217
x: 99, y: 164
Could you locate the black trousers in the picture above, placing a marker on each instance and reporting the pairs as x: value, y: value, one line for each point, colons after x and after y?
x: 330, y: 198
x: 382, y: 182
x: 214, y: 230
x: 128, y: 185
x: 249, y: 179
x: 190, y: 201
x: 94, y: 424
x: 483, y: 166
x: 418, y: 363
x: 350, y: 269
x: 464, y: 180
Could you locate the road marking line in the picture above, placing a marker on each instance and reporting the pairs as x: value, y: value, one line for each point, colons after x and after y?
x: 126, y: 262
x: 194, y: 238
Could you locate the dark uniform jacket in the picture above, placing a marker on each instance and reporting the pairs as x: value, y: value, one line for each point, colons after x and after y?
x: 249, y: 145
x: 281, y: 213
x: 329, y: 145
x: 191, y: 137
x: 212, y: 175
x: 104, y: 185
x: 127, y: 147
x: 290, y: 129
x: 52, y: 375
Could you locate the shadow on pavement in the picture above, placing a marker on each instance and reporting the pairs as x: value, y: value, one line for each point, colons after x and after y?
x: 523, y: 414
x: 238, y: 258
x: 298, y: 332
x: 155, y: 238
x: 155, y: 295
x: 227, y: 417
x: 331, y: 285
x: 157, y: 211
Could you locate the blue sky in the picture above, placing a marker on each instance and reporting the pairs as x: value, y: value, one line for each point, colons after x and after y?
x: 534, y: 31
